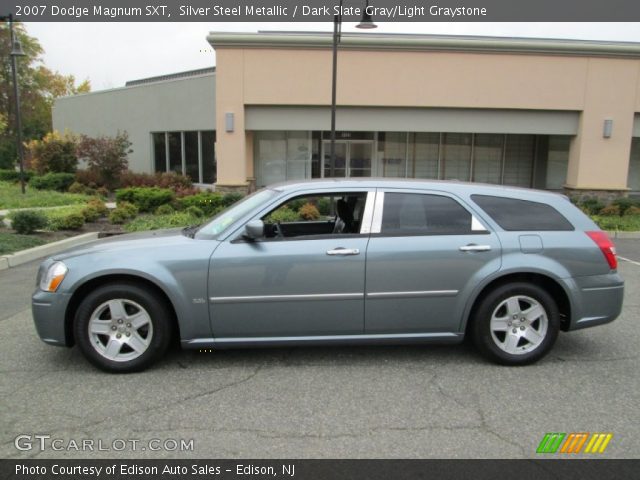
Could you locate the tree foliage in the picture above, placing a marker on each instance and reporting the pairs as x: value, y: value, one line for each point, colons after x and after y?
x: 39, y: 87
x: 106, y: 156
x: 56, y: 152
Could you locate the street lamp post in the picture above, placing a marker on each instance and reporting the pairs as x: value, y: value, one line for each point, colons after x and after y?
x: 365, y: 23
x: 16, y: 51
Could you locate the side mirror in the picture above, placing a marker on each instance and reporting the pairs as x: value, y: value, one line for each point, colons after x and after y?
x: 254, y: 229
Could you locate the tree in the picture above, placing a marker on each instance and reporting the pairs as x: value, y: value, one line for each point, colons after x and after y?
x: 39, y: 87
x: 106, y: 156
x: 54, y: 153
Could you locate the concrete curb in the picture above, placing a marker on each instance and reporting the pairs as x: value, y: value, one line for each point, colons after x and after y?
x: 25, y: 256
x: 623, y: 235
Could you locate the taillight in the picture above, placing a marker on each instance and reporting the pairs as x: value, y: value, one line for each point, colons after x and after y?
x: 607, y: 247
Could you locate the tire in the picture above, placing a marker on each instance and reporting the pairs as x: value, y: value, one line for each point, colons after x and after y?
x: 516, y: 324
x: 123, y: 327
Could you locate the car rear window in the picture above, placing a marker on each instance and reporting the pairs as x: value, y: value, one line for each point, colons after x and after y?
x: 522, y: 215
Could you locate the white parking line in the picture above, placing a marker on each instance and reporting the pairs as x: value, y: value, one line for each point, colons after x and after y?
x: 629, y: 260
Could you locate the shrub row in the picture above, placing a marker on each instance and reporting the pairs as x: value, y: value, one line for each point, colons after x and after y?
x: 66, y: 218
x: 53, y: 181
x: 11, y: 175
x: 147, y: 199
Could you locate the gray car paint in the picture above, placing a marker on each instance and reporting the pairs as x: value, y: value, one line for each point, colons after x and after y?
x: 193, y: 271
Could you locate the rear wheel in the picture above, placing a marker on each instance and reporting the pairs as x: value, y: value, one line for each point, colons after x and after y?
x: 122, y: 327
x: 516, y: 324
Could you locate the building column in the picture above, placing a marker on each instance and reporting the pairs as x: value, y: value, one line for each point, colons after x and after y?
x: 599, y: 164
x: 231, y: 146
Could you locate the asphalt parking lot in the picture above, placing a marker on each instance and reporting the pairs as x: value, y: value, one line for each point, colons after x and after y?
x: 364, y: 402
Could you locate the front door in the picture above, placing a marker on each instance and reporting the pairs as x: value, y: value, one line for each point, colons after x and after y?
x: 353, y: 158
x: 304, y: 278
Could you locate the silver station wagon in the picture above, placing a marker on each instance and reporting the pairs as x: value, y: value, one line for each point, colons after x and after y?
x: 340, y: 262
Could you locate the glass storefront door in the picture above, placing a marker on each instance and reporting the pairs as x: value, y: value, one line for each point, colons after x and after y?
x: 353, y: 158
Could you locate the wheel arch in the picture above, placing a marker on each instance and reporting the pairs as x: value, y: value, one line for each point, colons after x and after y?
x: 547, y: 282
x: 91, y: 284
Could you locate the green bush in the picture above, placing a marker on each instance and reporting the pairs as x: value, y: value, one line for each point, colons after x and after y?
x: 90, y: 213
x: 164, y: 210
x: 229, y: 199
x: 632, y: 211
x: 28, y: 221
x: 610, y: 211
x: 67, y: 221
x: 56, y: 152
x: 324, y: 206
x: 308, y: 211
x: 125, y: 211
x: 98, y: 205
x: 195, y: 211
x: 283, y: 214
x: 147, y: 199
x: 154, y: 222
x: 625, y: 203
x: 592, y: 205
x: 11, y: 175
x: 77, y: 187
x: 53, y: 181
x: 210, y: 203
x: 628, y: 223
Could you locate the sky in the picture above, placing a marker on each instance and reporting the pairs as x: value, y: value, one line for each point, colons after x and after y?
x: 110, y: 53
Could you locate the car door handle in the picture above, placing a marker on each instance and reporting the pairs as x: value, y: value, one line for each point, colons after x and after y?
x: 344, y: 251
x: 475, y: 248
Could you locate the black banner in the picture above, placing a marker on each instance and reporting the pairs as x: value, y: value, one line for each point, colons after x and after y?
x: 323, y: 10
x: 320, y: 469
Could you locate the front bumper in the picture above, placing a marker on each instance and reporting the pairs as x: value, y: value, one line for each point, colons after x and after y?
x: 598, y: 300
x: 49, y: 311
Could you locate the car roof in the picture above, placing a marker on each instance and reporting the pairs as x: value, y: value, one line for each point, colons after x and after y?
x: 452, y: 186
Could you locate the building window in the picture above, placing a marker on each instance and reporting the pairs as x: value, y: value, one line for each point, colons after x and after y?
x: 159, y: 152
x: 557, y: 162
x: 392, y: 154
x: 487, y: 158
x: 518, y: 165
x: 192, y: 169
x: 423, y: 155
x: 281, y: 156
x: 633, y: 179
x: 456, y: 156
x: 190, y: 153
x: 209, y: 163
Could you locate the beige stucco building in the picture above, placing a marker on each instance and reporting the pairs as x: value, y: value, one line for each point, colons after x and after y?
x: 554, y: 114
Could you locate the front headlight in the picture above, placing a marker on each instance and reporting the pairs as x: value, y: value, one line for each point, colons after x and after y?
x: 53, y: 277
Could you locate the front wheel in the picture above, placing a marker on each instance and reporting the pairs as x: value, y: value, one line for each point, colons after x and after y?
x: 122, y: 327
x: 516, y: 324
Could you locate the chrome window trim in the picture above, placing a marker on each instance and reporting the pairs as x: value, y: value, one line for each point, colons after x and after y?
x: 376, y: 225
x: 418, y: 293
x: 367, y: 215
x: 287, y: 298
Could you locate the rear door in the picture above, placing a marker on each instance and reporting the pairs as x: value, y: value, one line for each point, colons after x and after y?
x: 426, y: 253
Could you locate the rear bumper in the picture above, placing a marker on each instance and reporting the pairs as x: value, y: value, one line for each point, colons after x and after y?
x: 49, y: 317
x: 598, y: 300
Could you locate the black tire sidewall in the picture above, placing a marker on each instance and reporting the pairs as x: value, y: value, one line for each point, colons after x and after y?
x: 149, y: 300
x: 481, y: 331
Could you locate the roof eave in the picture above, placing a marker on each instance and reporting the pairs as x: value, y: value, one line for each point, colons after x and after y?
x: 425, y: 43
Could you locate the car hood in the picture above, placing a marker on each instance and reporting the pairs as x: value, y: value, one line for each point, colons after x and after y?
x: 128, y: 242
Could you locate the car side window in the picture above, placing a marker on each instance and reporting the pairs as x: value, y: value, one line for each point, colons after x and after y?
x: 338, y: 213
x: 424, y: 214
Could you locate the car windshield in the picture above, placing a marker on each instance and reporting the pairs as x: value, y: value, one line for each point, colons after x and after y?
x: 229, y: 216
